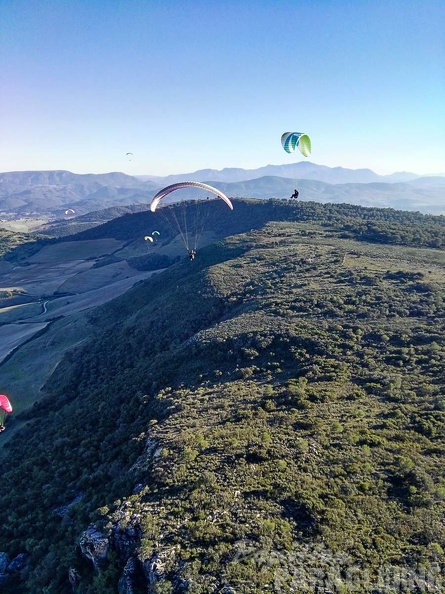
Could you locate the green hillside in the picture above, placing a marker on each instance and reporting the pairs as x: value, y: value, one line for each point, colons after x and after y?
x: 9, y: 241
x: 267, y: 418
x: 384, y: 225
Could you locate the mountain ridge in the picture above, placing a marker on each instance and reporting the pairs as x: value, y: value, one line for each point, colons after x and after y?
x: 50, y: 193
x: 301, y: 169
x: 272, y: 406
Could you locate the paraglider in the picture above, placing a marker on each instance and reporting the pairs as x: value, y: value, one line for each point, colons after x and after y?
x: 5, y: 408
x: 191, y: 184
x: 128, y: 154
x: 191, y: 219
x: 152, y: 238
x: 70, y: 211
x: 292, y: 140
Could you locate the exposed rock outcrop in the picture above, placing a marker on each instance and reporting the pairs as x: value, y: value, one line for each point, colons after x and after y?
x: 9, y: 568
x: 4, y: 562
x: 126, y: 539
x: 153, y: 570
x: 94, y: 545
x: 158, y: 565
x: 18, y: 563
x: 74, y: 578
x: 127, y: 581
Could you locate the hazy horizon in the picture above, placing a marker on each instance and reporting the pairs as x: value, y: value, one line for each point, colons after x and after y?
x: 150, y: 174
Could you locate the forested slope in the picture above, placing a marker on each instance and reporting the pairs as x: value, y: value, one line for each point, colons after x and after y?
x: 270, y: 417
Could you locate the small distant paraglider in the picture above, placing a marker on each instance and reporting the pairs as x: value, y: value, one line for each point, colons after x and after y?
x: 129, y: 155
x: 5, y: 408
x: 153, y: 237
x: 292, y: 140
x: 70, y: 212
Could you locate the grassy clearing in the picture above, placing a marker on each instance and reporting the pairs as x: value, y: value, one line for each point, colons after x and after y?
x: 26, y: 372
x: 95, y: 278
x: 64, y: 268
x: 74, y: 303
x: 42, y: 279
x: 12, y: 335
x: 23, y: 225
x: 75, y: 250
x: 15, y: 313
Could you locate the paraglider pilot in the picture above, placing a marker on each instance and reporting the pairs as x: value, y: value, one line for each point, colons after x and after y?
x: 192, y: 254
x: 5, y: 407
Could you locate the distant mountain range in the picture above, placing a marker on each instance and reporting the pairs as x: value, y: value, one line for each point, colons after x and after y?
x: 49, y: 193
x: 300, y: 170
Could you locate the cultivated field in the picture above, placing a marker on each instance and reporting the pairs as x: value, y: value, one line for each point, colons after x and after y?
x: 61, y: 284
x: 13, y: 335
x: 23, y: 225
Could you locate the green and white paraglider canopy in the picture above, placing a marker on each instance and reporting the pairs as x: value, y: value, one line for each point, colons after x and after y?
x: 292, y: 140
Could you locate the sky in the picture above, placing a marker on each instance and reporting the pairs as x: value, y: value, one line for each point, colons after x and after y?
x: 193, y: 84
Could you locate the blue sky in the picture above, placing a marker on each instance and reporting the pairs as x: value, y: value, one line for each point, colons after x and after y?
x: 193, y: 84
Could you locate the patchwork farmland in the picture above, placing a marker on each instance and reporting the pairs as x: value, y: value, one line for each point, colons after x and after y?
x: 50, y: 296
